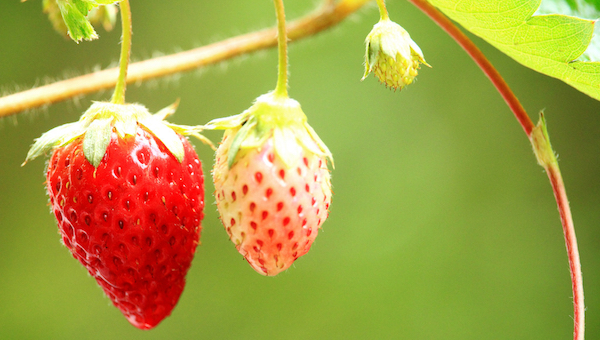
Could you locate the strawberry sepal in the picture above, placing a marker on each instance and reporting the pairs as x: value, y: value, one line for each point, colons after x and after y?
x: 102, y: 118
x: 96, y: 140
x: 272, y: 116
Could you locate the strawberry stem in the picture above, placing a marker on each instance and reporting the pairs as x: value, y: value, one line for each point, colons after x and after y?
x: 383, y: 13
x: 282, y: 74
x: 552, y: 169
x: 540, y: 140
x: 119, y: 94
x: 560, y: 195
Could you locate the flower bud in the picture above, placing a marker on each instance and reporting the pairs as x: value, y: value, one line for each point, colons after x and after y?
x: 392, y: 55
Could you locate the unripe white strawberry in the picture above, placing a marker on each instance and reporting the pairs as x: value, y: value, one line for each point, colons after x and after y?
x: 392, y: 55
x: 272, y: 184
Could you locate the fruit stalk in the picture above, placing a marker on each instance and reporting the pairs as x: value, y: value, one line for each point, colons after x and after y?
x: 119, y: 94
x: 550, y: 165
x: 282, y: 74
x: 383, y: 13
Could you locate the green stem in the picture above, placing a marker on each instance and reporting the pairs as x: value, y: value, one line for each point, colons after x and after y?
x: 119, y: 95
x: 282, y: 74
x: 540, y: 140
x: 383, y: 13
x: 560, y: 194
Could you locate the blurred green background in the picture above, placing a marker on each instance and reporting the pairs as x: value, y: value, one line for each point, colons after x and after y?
x: 442, y: 225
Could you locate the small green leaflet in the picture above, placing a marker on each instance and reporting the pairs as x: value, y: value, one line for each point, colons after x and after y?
x: 553, y: 44
x: 74, y: 14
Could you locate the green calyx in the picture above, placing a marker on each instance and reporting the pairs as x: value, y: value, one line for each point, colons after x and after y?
x: 272, y: 116
x: 98, y: 123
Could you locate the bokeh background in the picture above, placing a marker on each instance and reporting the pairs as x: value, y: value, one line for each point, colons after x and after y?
x: 442, y: 225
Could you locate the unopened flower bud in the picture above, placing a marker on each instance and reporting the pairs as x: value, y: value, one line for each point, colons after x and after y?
x: 392, y: 55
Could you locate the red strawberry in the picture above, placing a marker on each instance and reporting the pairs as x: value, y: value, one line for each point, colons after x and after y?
x: 133, y: 220
x: 272, y: 185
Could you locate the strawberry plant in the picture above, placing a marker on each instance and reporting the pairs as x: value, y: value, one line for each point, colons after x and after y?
x: 441, y: 225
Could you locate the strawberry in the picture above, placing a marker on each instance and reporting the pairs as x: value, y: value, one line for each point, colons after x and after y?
x: 272, y: 185
x: 128, y: 194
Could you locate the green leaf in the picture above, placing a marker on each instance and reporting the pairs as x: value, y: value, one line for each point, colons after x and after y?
x: 107, y: 2
x: 550, y: 44
x: 74, y: 13
x: 81, y: 14
x: 589, y: 9
x: 576, y: 5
